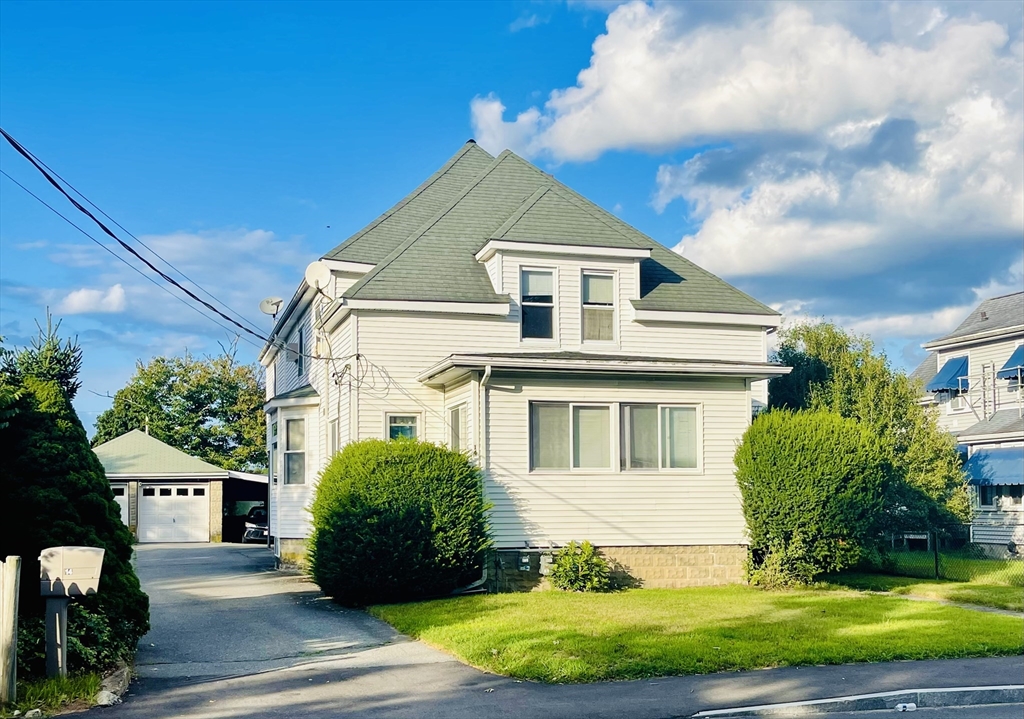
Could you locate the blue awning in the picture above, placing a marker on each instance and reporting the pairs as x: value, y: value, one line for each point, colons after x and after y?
x: 1014, y: 366
x: 948, y: 378
x: 999, y: 465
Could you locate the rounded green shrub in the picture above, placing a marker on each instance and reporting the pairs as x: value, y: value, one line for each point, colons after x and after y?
x: 397, y: 520
x: 815, y: 489
x: 577, y: 567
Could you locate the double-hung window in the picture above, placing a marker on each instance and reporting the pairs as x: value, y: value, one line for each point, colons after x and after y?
x: 300, y: 355
x: 537, y: 289
x: 660, y: 437
x: 598, y: 292
x: 295, y: 451
x: 570, y: 436
x: 403, y: 426
x: 457, y: 428
x: 271, y: 466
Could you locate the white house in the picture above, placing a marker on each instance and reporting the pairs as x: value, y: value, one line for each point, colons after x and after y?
x: 601, y: 381
x: 973, y: 376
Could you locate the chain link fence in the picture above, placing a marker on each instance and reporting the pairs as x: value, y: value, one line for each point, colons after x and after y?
x: 949, y: 553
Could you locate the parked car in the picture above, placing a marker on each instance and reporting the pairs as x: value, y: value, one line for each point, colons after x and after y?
x: 255, y: 525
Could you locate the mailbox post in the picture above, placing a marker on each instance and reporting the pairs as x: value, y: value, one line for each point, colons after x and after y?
x: 65, y: 572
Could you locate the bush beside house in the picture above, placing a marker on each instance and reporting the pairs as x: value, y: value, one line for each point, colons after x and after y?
x: 815, y: 488
x: 397, y: 520
x: 55, y: 493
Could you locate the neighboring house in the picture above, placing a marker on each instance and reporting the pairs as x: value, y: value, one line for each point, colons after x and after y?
x: 601, y: 381
x: 973, y: 375
x: 166, y: 495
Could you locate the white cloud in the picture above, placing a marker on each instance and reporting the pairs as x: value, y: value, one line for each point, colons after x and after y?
x: 526, y: 21
x: 657, y: 80
x: 87, y: 300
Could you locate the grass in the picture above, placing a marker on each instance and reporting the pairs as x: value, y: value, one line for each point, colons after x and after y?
x: 51, y: 695
x: 956, y: 567
x: 978, y: 592
x: 563, y: 637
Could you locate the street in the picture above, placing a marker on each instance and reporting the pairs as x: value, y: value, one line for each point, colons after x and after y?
x: 232, y: 637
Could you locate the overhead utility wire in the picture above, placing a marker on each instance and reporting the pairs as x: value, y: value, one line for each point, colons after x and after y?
x: 52, y: 209
x: 129, y: 233
x: 28, y: 156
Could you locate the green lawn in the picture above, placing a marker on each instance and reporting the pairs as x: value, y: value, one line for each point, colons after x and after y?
x: 978, y: 592
x: 562, y: 637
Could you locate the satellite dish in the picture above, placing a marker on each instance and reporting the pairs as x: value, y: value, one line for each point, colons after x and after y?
x: 271, y: 305
x: 318, y: 275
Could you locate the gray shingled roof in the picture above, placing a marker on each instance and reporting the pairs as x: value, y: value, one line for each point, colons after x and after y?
x: 378, y: 239
x: 299, y: 393
x: 137, y: 453
x: 927, y: 369
x: 993, y: 314
x: 1003, y: 421
x: 513, y: 200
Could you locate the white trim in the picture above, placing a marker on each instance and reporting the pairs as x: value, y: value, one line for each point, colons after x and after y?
x: 541, y: 248
x: 283, y: 325
x: 499, y: 309
x: 291, y: 402
x: 170, y: 476
x: 955, y: 342
x: 707, y: 318
x: 345, y: 267
x: 614, y: 341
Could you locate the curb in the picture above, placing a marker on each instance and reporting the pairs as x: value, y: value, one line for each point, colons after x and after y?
x: 939, y: 697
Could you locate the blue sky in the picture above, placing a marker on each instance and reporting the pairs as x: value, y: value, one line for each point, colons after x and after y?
x: 243, y: 140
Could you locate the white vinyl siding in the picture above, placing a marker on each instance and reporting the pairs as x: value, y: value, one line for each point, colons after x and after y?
x: 615, y: 508
x: 986, y: 394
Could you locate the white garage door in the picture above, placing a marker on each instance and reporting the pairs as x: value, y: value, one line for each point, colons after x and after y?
x: 121, y: 497
x: 174, y: 513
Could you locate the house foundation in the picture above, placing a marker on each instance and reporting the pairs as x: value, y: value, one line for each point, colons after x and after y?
x: 669, y: 567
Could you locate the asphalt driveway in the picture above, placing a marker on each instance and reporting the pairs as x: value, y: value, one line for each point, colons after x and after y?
x: 231, y: 637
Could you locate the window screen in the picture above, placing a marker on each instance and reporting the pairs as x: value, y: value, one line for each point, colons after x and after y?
x: 679, y: 437
x: 591, y: 442
x: 640, y: 436
x: 549, y: 436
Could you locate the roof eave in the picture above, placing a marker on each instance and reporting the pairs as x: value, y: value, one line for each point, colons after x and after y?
x: 952, y: 342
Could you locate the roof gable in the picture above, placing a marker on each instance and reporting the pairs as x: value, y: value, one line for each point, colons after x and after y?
x: 137, y: 453
x: 377, y: 240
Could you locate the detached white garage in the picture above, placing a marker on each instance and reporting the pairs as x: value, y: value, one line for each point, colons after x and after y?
x: 164, y: 494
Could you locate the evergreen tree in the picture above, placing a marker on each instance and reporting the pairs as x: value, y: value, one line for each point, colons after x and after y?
x: 55, y: 492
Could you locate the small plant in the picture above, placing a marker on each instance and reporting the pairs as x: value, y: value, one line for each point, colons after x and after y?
x: 577, y: 567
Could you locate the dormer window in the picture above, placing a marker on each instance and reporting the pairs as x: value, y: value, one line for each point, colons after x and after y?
x: 598, y: 307
x: 538, y: 304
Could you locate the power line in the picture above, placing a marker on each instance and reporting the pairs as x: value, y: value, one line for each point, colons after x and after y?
x: 129, y: 233
x: 28, y: 156
x: 52, y: 209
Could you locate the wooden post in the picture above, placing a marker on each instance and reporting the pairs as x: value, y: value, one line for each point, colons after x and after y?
x: 935, y: 549
x: 10, y: 580
x: 57, y: 636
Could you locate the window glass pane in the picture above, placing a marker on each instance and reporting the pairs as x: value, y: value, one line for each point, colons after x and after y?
x: 549, y: 436
x: 402, y: 426
x: 537, y: 322
x: 591, y: 442
x: 598, y: 324
x: 295, y: 468
x: 118, y: 491
x: 148, y: 491
x: 679, y: 437
x: 538, y: 286
x: 332, y: 438
x: 271, y: 466
x: 598, y: 289
x: 296, y: 439
x: 165, y: 492
x: 181, y: 491
x: 640, y: 432
x: 199, y: 492
x: 455, y: 421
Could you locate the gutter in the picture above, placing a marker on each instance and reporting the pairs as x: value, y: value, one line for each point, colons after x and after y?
x: 955, y: 342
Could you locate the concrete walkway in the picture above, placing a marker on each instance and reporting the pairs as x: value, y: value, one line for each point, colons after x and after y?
x: 233, y: 638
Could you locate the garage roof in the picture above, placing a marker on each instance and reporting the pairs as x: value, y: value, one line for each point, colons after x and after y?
x: 136, y: 454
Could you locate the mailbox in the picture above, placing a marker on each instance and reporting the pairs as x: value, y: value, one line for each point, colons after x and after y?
x: 70, y: 571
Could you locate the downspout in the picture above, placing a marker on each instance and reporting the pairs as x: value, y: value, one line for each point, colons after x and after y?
x: 478, y: 585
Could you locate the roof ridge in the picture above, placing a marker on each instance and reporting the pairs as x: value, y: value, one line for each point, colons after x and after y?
x: 437, y: 175
x: 1000, y: 297
x: 618, y: 224
x: 522, y: 210
x: 411, y: 239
